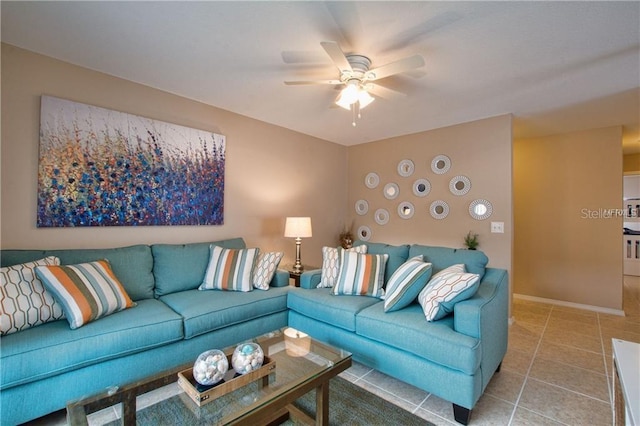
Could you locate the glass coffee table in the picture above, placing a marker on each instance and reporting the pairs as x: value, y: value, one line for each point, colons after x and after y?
x: 301, y: 365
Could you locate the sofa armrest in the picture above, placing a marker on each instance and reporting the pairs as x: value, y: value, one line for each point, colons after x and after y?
x: 311, y: 278
x: 485, y: 316
x: 280, y: 279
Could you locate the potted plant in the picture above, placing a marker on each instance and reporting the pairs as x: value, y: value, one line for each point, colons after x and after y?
x: 346, y: 238
x: 471, y: 241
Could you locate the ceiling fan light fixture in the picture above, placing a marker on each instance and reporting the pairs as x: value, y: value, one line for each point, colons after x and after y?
x: 364, y: 98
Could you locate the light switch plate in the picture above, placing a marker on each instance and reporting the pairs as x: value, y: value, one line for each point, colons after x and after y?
x: 497, y: 227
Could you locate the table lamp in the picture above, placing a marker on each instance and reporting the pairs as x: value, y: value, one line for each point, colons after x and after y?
x: 298, y: 228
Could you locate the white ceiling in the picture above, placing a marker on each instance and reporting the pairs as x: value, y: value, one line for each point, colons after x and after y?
x: 556, y: 66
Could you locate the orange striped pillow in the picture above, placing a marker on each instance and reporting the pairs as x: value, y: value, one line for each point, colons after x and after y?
x: 361, y: 274
x: 230, y: 269
x: 86, y: 291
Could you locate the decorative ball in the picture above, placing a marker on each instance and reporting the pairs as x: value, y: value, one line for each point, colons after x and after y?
x: 247, y: 357
x: 210, y: 367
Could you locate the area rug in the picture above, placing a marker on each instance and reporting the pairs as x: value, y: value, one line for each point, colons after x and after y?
x: 352, y: 405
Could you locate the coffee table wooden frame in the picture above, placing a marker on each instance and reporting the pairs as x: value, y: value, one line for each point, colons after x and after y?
x: 277, y: 407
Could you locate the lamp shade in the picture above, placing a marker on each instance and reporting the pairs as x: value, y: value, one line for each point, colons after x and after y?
x: 298, y: 227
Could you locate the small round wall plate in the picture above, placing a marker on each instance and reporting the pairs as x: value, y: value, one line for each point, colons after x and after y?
x: 391, y: 191
x: 364, y: 233
x: 372, y: 180
x: 421, y: 187
x: 405, y: 168
x: 381, y: 216
x: 362, y: 207
x: 439, y: 209
x: 480, y: 209
x: 440, y: 164
x: 459, y: 185
x: 406, y: 210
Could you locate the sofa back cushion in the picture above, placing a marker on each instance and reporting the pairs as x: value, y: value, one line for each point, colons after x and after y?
x: 397, y: 255
x: 442, y: 257
x: 180, y: 267
x: 132, y: 265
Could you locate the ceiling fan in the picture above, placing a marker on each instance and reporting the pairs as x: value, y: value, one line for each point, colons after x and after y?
x: 357, y: 77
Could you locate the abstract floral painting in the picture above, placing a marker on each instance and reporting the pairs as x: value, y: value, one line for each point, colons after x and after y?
x: 99, y: 167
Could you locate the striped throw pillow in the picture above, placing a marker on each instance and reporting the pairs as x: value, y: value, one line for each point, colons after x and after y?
x: 265, y: 269
x: 361, y: 274
x: 24, y: 302
x: 445, y: 289
x: 331, y: 264
x: 406, y: 282
x: 87, y: 291
x: 230, y: 269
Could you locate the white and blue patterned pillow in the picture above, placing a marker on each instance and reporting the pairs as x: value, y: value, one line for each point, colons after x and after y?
x: 406, y: 282
x: 230, y: 269
x: 331, y: 264
x: 445, y: 289
x: 24, y: 301
x: 265, y: 269
x: 361, y: 274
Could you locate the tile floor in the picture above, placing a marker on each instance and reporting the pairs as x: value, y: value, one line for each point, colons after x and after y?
x: 557, y: 370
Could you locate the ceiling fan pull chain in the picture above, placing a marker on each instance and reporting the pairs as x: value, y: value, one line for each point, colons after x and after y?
x: 353, y: 114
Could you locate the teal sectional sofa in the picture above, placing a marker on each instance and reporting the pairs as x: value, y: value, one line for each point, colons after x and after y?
x: 453, y: 358
x: 44, y: 367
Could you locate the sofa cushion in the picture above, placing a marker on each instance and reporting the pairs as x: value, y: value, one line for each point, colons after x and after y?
x: 265, y: 269
x: 443, y: 257
x: 230, y: 269
x: 24, y: 302
x: 445, y: 289
x: 397, y: 255
x: 206, y: 311
x: 132, y: 265
x: 51, y: 349
x: 179, y: 267
x: 361, y: 274
x: 331, y: 264
x: 87, y: 291
x: 320, y: 304
x: 436, y: 341
x: 405, y: 283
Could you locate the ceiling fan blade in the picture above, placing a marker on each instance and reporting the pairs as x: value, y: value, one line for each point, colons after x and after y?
x: 337, y: 55
x: 301, y: 82
x: 402, y: 65
x: 303, y: 57
x: 346, y: 17
x: 415, y: 34
x: 384, y: 92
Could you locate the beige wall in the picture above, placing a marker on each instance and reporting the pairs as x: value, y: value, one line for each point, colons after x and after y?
x: 559, y: 252
x: 631, y: 163
x: 480, y: 150
x: 271, y: 172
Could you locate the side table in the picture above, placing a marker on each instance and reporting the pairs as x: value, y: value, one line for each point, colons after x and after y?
x: 295, y: 277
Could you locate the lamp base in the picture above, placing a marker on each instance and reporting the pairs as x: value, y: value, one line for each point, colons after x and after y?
x: 297, y: 267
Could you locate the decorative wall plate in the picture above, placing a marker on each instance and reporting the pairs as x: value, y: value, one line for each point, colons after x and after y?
x: 405, y: 168
x: 391, y: 191
x: 362, y: 207
x: 421, y: 187
x: 439, y: 209
x: 459, y: 185
x: 440, y: 164
x: 480, y: 209
x: 381, y: 216
x: 406, y: 210
x: 372, y: 180
x: 364, y: 233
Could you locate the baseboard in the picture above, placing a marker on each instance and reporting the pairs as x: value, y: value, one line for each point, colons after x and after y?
x: 599, y: 309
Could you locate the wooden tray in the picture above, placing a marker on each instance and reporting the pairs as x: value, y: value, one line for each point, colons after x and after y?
x: 231, y: 382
